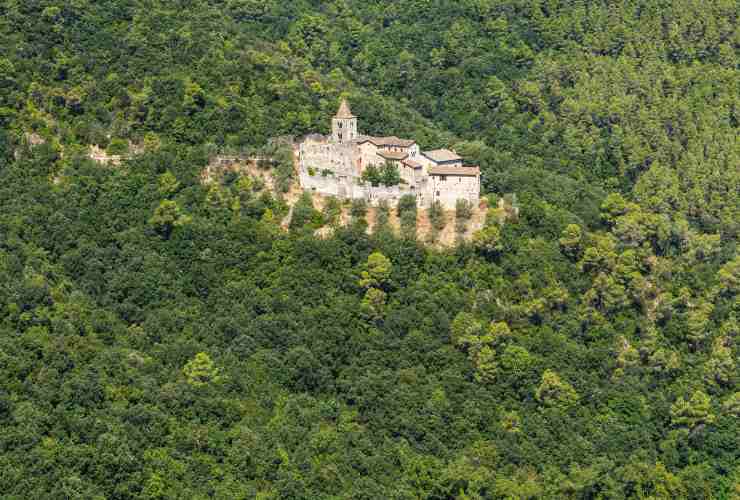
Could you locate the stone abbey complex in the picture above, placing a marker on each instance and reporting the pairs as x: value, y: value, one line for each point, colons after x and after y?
x: 334, y: 165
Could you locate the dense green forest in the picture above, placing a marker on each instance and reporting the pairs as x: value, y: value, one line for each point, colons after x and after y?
x: 164, y: 339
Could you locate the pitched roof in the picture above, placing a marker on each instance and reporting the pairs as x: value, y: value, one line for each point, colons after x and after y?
x: 458, y: 171
x: 344, y: 112
x: 387, y: 141
x: 394, y: 141
x: 413, y: 164
x: 442, y: 155
x: 392, y: 155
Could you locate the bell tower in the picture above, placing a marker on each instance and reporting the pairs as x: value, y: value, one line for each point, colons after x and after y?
x: 344, y: 124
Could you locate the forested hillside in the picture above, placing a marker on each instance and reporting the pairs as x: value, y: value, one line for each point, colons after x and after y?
x: 160, y: 338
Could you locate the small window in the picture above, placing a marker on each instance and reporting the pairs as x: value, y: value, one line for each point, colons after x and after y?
x: 437, y: 193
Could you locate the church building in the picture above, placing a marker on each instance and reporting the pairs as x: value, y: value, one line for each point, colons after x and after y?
x: 334, y: 165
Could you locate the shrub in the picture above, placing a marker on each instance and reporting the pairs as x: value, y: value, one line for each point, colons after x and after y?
x: 332, y: 210
x: 407, y: 203
x: 389, y: 174
x: 358, y: 209
x: 463, y: 210
x: 437, y: 216
x: 117, y: 147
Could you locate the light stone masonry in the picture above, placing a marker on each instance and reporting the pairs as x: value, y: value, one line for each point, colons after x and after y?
x: 334, y: 166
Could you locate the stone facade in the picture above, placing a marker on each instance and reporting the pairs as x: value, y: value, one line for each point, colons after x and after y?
x: 334, y: 165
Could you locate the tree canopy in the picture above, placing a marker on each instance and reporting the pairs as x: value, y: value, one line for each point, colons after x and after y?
x: 161, y: 337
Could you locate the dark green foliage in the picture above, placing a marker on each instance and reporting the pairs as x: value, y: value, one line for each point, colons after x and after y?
x: 372, y: 175
x: 463, y: 213
x: 305, y: 214
x: 407, y: 203
x: 160, y: 338
x: 407, y: 214
x: 332, y: 211
x: 437, y: 216
x: 437, y: 220
x: 386, y: 175
x: 389, y: 175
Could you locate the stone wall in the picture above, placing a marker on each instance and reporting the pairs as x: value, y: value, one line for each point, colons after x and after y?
x: 326, y: 156
x: 328, y: 168
x: 350, y: 187
x: 454, y: 188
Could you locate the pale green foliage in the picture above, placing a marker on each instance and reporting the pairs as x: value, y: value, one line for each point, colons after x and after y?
x: 731, y: 405
x: 664, y: 361
x: 627, y: 357
x: 571, y: 240
x: 613, y: 206
x: 698, y: 323
x: 152, y: 141
x: 511, y: 422
x: 464, y: 327
x: 469, y: 334
x: 729, y: 276
x: 731, y: 327
x: 485, y: 365
x: 516, y: 360
x: 373, y: 303
x: 659, y: 189
x: 168, y: 216
x: 201, y: 370
x: 607, y: 294
x: 554, y: 392
x: 377, y: 271
x: 245, y: 185
x: 522, y: 483
x: 601, y: 256
x: 556, y: 296
x: 217, y: 198
x: 117, y: 147
x: 639, y: 226
x: 720, y: 368
x: 499, y: 332
x: 654, y: 482
x: 167, y: 184
x: 702, y: 247
x: 268, y: 217
x: 475, y: 467
x: 694, y: 412
x: 488, y: 239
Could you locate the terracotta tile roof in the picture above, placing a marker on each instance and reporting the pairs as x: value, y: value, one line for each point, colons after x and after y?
x: 459, y: 171
x: 413, y: 164
x: 394, y: 141
x: 392, y: 155
x: 442, y: 155
x: 386, y: 141
x: 344, y: 111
